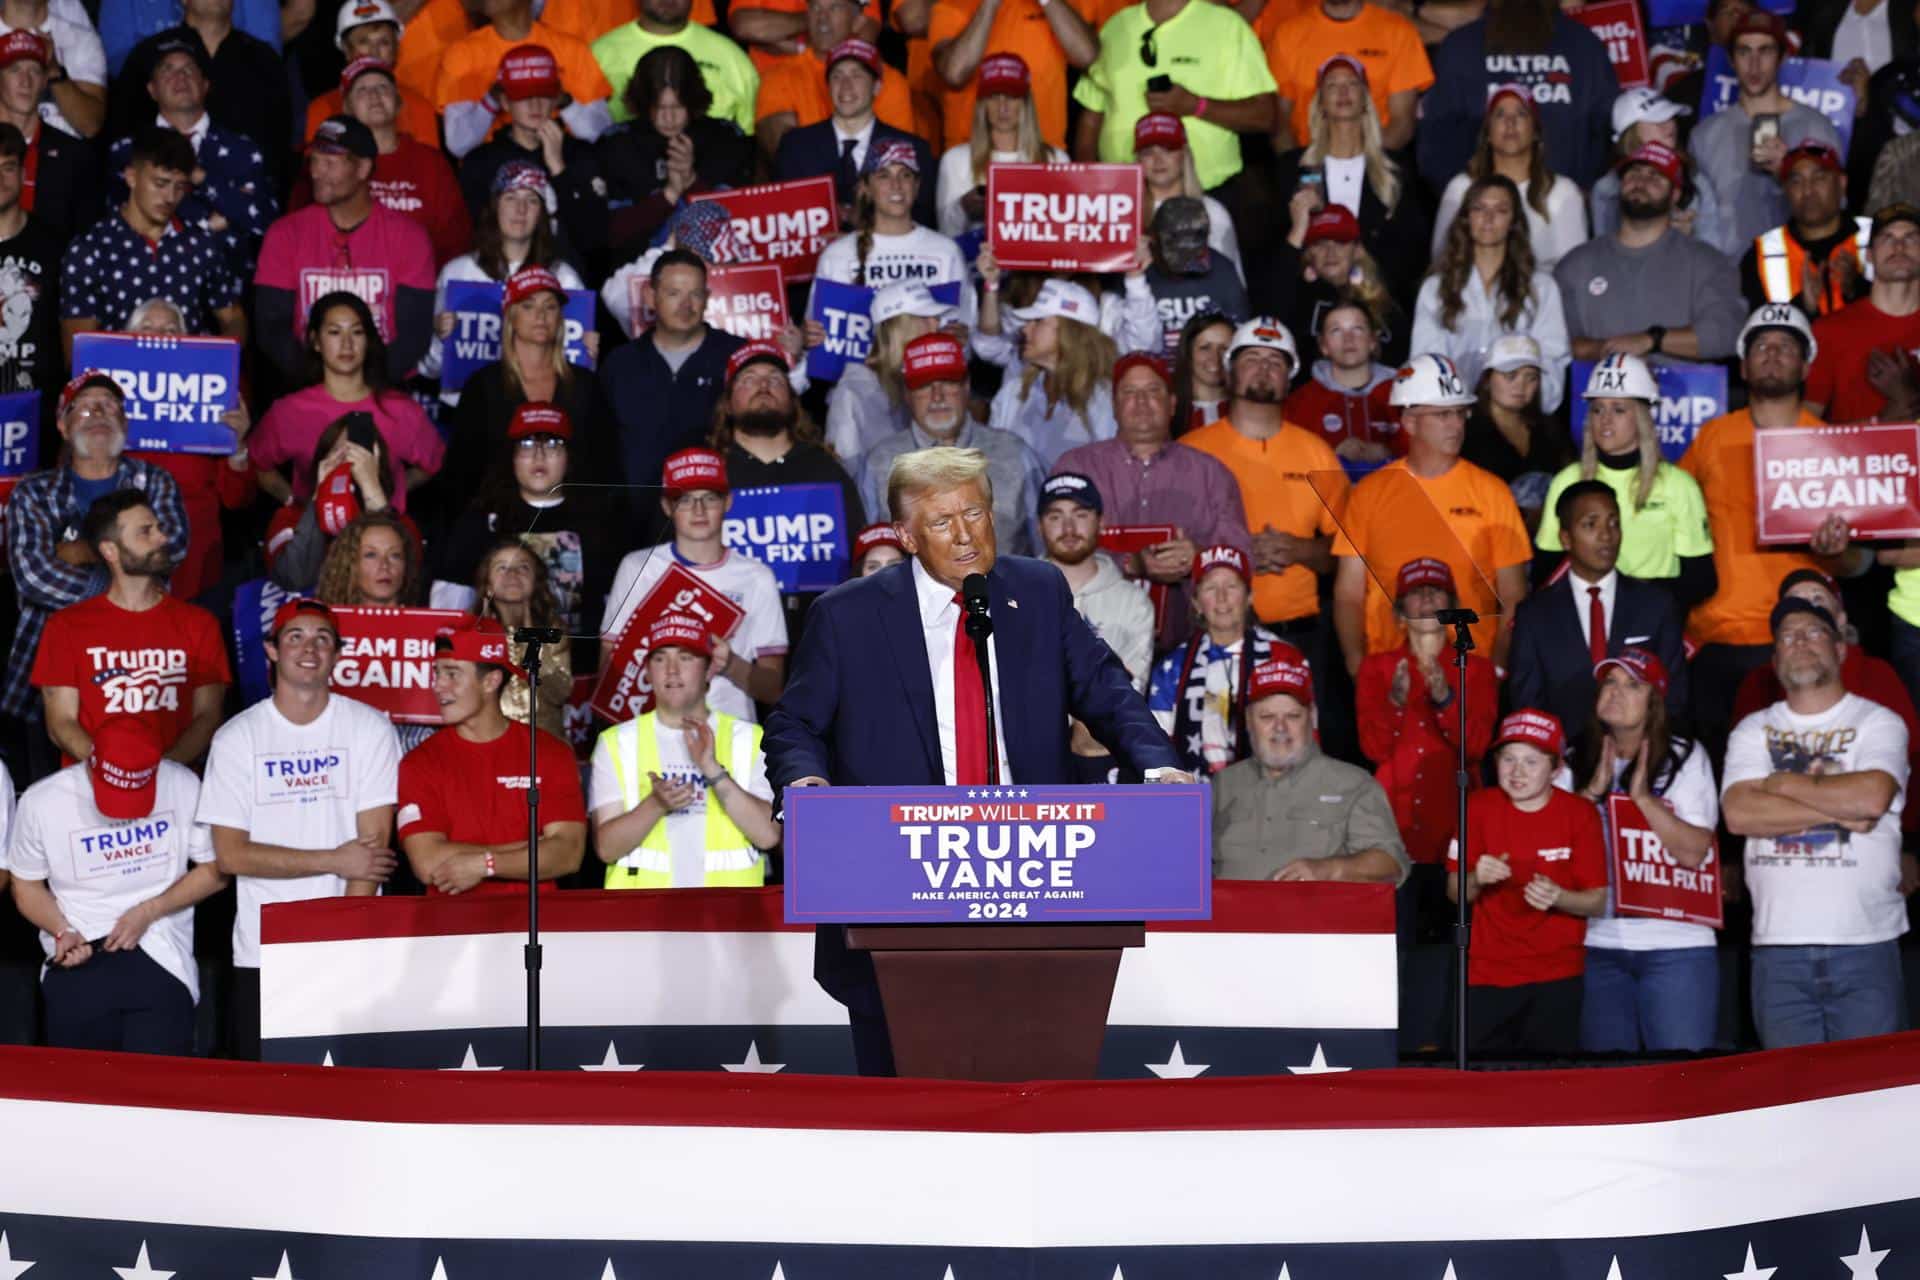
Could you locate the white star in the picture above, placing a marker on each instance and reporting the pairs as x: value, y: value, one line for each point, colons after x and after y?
x: 1176, y: 1067
x: 1284, y: 1273
x: 284, y: 1273
x: 949, y: 1275
x: 469, y: 1063
x: 10, y: 1269
x: 1865, y: 1264
x: 608, y: 1273
x: 1613, y: 1272
x: 973, y: 795
x: 328, y: 1060
x: 1318, y: 1067
x: 1750, y: 1271
x: 778, y: 1274
x: 612, y: 1062
x: 142, y: 1269
x: 752, y: 1064
x: 1449, y: 1275
x: 1023, y: 793
x: 439, y: 1270
x: 1118, y: 1274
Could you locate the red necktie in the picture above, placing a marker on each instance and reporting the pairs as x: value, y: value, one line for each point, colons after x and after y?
x: 969, y: 708
x: 1596, y: 626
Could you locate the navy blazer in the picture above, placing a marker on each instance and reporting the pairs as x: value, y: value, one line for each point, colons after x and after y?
x: 858, y: 707
x: 813, y: 151
x: 1548, y: 666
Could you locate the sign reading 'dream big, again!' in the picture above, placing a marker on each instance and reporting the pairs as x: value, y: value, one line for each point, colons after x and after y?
x: 785, y: 223
x: 943, y: 855
x: 1869, y: 474
x: 176, y: 389
x: 1617, y: 23
x: 1063, y: 217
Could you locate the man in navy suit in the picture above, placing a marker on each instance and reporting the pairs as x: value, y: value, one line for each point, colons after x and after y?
x: 878, y: 694
x: 837, y: 146
x: 1551, y: 660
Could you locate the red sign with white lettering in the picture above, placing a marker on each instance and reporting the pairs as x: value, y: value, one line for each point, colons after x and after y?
x: 386, y: 659
x: 1618, y: 24
x: 623, y: 692
x: 1648, y: 881
x: 1064, y: 217
x: 1867, y: 474
x: 746, y: 301
x: 783, y: 223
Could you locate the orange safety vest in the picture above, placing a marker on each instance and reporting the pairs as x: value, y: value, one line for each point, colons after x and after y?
x: 1783, y: 260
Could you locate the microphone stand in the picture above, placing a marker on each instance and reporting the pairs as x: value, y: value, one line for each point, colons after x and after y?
x: 979, y: 624
x: 1460, y: 620
x: 533, y: 638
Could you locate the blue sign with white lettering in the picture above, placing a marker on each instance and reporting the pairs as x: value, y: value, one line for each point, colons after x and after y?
x: 943, y: 855
x: 475, y: 340
x: 177, y: 389
x: 254, y: 604
x: 843, y: 311
x: 1691, y: 395
x: 797, y: 530
x: 19, y: 433
x: 1811, y: 82
x: 1685, y: 13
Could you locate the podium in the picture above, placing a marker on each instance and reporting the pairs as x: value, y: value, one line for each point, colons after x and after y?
x: 996, y: 916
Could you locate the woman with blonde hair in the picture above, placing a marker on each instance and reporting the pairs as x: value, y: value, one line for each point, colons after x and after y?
x: 1057, y: 390
x: 1166, y: 171
x: 869, y: 401
x: 1513, y: 146
x: 1006, y: 130
x: 1484, y: 285
x: 510, y: 585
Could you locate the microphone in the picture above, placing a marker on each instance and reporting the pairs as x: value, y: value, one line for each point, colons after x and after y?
x: 973, y: 595
x: 538, y: 635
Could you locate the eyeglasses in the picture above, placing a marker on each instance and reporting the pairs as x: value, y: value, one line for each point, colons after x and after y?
x: 540, y: 444
x: 1149, y: 51
x: 697, y: 501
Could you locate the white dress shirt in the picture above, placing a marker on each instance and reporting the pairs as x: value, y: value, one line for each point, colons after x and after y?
x: 861, y: 141
x: 1583, y: 603
x: 939, y: 617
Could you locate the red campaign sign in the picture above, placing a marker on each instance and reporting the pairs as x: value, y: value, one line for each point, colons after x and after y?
x: 386, y: 659
x: 1618, y: 24
x: 1646, y: 879
x: 1064, y: 217
x: 1122, y: 540
x: 1869, y: 474
x: 783, y: 223
x: 746, y: 301
x: 623, y: 692
x: 579, y: 720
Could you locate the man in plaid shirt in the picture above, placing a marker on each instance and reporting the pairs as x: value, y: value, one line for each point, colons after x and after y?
x: 52, y: 566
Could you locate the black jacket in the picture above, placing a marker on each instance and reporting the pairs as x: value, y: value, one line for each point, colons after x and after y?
x: 811, y: 152
x: 659, y: 411
x: 1548, y: 664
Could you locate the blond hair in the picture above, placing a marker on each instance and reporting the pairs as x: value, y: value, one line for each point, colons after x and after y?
x: 1383, y: 175
x: 1032, y: 147
x: 888, y: 353
x: 1085, y: 365
x: 941, y: 467
x: 1649, y: 441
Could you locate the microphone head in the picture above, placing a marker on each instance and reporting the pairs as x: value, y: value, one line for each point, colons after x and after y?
x: 973, y: 589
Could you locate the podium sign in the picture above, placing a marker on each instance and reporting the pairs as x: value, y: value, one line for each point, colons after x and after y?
x: 955, y: 855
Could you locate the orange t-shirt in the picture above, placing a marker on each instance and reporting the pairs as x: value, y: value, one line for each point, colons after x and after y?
x: 470, y: 66
x: 1019, y: 27
x: 762, y: 56
x: 1281, y: 480
x: 1466, y: 517
x: 1721, y: 460
x: 1273, y: 14
x: 588, y: 20
x: 798, y: 83
x: 1385, y: 43
x: 417, y: 116
x: 439, y: 25
x: 928, y: 91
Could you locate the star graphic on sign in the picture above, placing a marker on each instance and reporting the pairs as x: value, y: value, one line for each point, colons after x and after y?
x: 607, y: 1274
x: 1613, y: 1272
x: 1176, y: 1067
x: 611, y: 1062
x: 10, y: 1267
x: 949, y: 1275
x: 470, y: 1063
x: 778, y: 1274
x: 1449, y: 1275
x: 328, y: 1060
x: 1865, y: 1264
x: 439, y: 1270
x: 1023, y: 793
x: 1318, y: 1067
x: 752, y: 1064
x: 1284, y: 1273
x: 1118, y: 1274
x: 973, y: 795
x: 142, y: 1269
x: 284, y: 1273
x: 1750, y: 1271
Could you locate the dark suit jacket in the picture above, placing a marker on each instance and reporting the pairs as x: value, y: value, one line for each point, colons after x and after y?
x: 858, y: 707
x: 812, y: 151
x: 1548, y: 667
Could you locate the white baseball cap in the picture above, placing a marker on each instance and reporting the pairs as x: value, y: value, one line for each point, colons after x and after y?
x: 1061, y: 298
x: 911, y: 298
x: 1430, y: 382
x: 1778, y: 315
x: 1512, y: 351
x: 1266, y: 332
x: 1624, y: 377
x: 360, y: 13
x: 1642, y: 106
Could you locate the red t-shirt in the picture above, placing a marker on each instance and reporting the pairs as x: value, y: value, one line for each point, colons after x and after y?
x: 125, y: 663
x: 1513, y: 944
x: 476, y: 792
x: 1846, y: 338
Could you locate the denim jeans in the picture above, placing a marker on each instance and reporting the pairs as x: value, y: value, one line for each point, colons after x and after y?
x: 1655, y: 1000
x: 1811, y: 995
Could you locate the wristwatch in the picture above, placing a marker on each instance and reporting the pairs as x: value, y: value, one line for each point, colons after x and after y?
x: 1658, y: 334
x: 715, y: 780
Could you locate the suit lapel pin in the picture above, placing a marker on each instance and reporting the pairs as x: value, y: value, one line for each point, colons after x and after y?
x: 1012, y: 603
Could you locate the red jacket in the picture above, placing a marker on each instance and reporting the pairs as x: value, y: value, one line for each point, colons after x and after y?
x: 1343, y: 415
x: 1416, y: 746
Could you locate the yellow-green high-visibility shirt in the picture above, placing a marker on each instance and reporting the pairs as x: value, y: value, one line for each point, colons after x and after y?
x: 730, y: 74
x: 1653, y: 539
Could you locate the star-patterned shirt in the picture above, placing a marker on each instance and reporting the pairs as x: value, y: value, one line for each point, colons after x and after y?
x: 235, y: 184
x: 112, y: 269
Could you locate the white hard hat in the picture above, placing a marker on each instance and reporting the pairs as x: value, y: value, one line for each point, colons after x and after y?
x: 1430, y: 381
x: 911, y: 298
x: 1061, y: 298
x: 1778, y: 315
x: 1622, y: 377
x: 360, y: 13
x: 1642, y: 106
x: 1266, y: 332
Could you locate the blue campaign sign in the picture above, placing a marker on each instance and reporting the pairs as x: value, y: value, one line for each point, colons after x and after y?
x: 842, y: 310
x: 19, y: 434
x: 1691, y: 395
x: 254, y: 604
x: 177, y: 389
x: 1685, y: 13
x: 797, y: 530
x: 942, y: 855
x: 475, y: 340
x: 1812, y: 82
